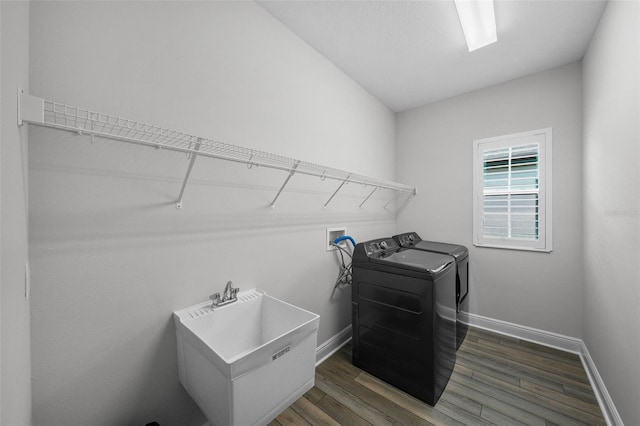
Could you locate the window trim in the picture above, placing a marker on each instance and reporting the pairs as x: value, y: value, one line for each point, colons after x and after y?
x: 544, y: 242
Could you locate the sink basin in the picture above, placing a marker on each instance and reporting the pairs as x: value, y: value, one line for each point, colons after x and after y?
x: 245, y: 362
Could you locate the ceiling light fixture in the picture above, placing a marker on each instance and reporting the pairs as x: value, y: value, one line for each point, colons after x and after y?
x: 478, y: 22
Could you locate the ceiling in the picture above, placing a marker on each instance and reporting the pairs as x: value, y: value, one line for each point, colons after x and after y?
x: 410, y: 53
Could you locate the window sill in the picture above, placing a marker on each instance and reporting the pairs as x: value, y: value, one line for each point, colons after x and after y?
x: 509, y: 247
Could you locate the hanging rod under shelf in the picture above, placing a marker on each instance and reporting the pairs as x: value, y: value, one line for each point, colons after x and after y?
x: 41, y: 112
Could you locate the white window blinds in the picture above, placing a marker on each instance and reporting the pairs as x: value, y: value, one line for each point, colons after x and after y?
x: 511, y: 178
x: 510, y: 192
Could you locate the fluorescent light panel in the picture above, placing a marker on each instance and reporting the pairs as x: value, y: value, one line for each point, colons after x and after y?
x: 478, y: 22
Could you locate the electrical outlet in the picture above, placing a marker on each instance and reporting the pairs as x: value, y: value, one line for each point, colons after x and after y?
x: 332, y: 234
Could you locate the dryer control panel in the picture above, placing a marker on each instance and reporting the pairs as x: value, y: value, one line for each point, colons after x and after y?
x: 409, y: 239
x: 380, y: 247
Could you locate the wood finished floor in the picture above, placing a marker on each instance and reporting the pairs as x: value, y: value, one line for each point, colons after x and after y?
x: 497, y: 381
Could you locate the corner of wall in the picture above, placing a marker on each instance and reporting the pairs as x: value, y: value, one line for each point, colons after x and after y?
x: 605, y: 401
x: 15, y: 350
x: 611, y: 226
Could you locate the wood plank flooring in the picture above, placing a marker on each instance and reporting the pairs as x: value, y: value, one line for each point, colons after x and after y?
x: 497, y: 381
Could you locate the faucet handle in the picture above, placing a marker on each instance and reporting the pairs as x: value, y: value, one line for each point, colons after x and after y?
x: 215, y: 299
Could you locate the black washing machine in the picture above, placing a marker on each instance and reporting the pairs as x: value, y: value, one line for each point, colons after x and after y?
x: 404, y: 316
x: 461, y: 254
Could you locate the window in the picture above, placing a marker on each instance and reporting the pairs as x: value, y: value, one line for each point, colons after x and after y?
x: 512, y: 191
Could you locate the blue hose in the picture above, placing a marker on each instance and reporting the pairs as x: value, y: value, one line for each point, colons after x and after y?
x: 344, y: 237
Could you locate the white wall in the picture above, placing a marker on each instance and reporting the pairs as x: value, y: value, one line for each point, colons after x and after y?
x: 540, y: 290
x: 111, y: 256
x: 15, y: 388
x: 612, y: 204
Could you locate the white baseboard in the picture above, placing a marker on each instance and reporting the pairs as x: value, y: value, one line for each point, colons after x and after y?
x: 558, y: 341
x: 609, y: 411
x: 333, y: 345
x: 546, y: 338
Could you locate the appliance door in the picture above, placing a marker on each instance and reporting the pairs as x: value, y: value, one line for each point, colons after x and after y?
x: 416, y: 260
x: 454, y: 250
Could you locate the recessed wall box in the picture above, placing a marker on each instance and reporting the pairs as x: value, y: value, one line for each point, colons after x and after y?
x: 332, y: 234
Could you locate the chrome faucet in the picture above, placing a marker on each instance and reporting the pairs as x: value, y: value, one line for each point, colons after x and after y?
x: 229, y: 295
x: 228, y: 291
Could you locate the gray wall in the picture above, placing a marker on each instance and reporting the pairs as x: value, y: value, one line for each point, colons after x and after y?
x: 111, y: 256
x: 15, y: 386
x: 540, y: 290
x: 612, y: 204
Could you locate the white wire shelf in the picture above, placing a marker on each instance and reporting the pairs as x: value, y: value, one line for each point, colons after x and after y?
x: 41, y: 112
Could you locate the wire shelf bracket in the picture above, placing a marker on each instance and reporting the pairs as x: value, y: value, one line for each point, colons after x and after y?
x: 286, y: 181
x: 368, y: 196
x: 192, y: 161
x: 38, y: 111
x: 343, y: 183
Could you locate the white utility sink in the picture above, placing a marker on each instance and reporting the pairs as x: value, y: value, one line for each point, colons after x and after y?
x: 245, y: 362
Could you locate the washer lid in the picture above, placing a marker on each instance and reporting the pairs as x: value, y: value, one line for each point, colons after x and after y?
x: 454, y: 250
x: 418, y: 260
